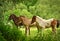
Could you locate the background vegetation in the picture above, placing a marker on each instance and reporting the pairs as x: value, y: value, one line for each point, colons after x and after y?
x: 43, y: 8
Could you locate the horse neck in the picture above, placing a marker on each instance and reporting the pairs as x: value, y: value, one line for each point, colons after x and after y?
x: 23, y: 19
x: 15, y: 18
x: 40, y: 19
x: 27, y: 19
x: 30, y: 20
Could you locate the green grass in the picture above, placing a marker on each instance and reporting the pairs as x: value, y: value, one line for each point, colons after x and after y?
x: 47, y: 35
x: 34, y: 31
x: 35, y: 36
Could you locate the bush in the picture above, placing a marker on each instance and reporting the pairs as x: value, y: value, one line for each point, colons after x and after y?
x: 1, y: 37
x: 11, y: 34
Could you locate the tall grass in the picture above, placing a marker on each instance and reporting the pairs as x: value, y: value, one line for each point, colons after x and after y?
x: 47, y: 35
x: 11, y: 34
x: 14, y: 34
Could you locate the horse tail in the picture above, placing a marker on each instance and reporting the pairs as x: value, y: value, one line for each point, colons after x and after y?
x: 58, y: 23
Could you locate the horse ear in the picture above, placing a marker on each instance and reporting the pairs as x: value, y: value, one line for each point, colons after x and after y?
x: 33, y: 19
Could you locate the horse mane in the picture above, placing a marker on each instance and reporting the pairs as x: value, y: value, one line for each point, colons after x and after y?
x: 22, y: 16
x: 33, y: 19
x: 40, y: 18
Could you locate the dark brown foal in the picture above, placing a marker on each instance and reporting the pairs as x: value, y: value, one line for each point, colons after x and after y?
x: 16, y: 20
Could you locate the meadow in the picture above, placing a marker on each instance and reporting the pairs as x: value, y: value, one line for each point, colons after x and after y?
x: 43, y: 8
x: 47, y: 36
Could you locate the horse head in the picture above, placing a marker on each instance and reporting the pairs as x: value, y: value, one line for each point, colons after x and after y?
x: 33, y: 19
x: 11, y: 17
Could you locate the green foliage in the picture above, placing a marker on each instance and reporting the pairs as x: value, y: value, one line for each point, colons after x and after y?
x: 44, y: 8
x: 21, y: 6
x: 47, y: 36
x: 26, y: 13
x: 11, y: 34
x: 1, y: 37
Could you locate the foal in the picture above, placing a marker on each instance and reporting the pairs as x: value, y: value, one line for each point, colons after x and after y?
x: 16, y: 20
x: 42, y: 23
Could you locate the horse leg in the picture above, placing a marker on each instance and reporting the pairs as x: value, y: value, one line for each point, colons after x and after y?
x: 29, y: 30
x: 54, y: 29
x: 25, y: 30
x: 42, y: 31
x: 37, y: 27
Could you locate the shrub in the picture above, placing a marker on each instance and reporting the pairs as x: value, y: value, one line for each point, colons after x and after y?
x: 11, y: 34
x: 1, y: 37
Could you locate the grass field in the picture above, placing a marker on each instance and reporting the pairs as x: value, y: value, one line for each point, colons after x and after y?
x: 47, y: 36
x: 34, y: 31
